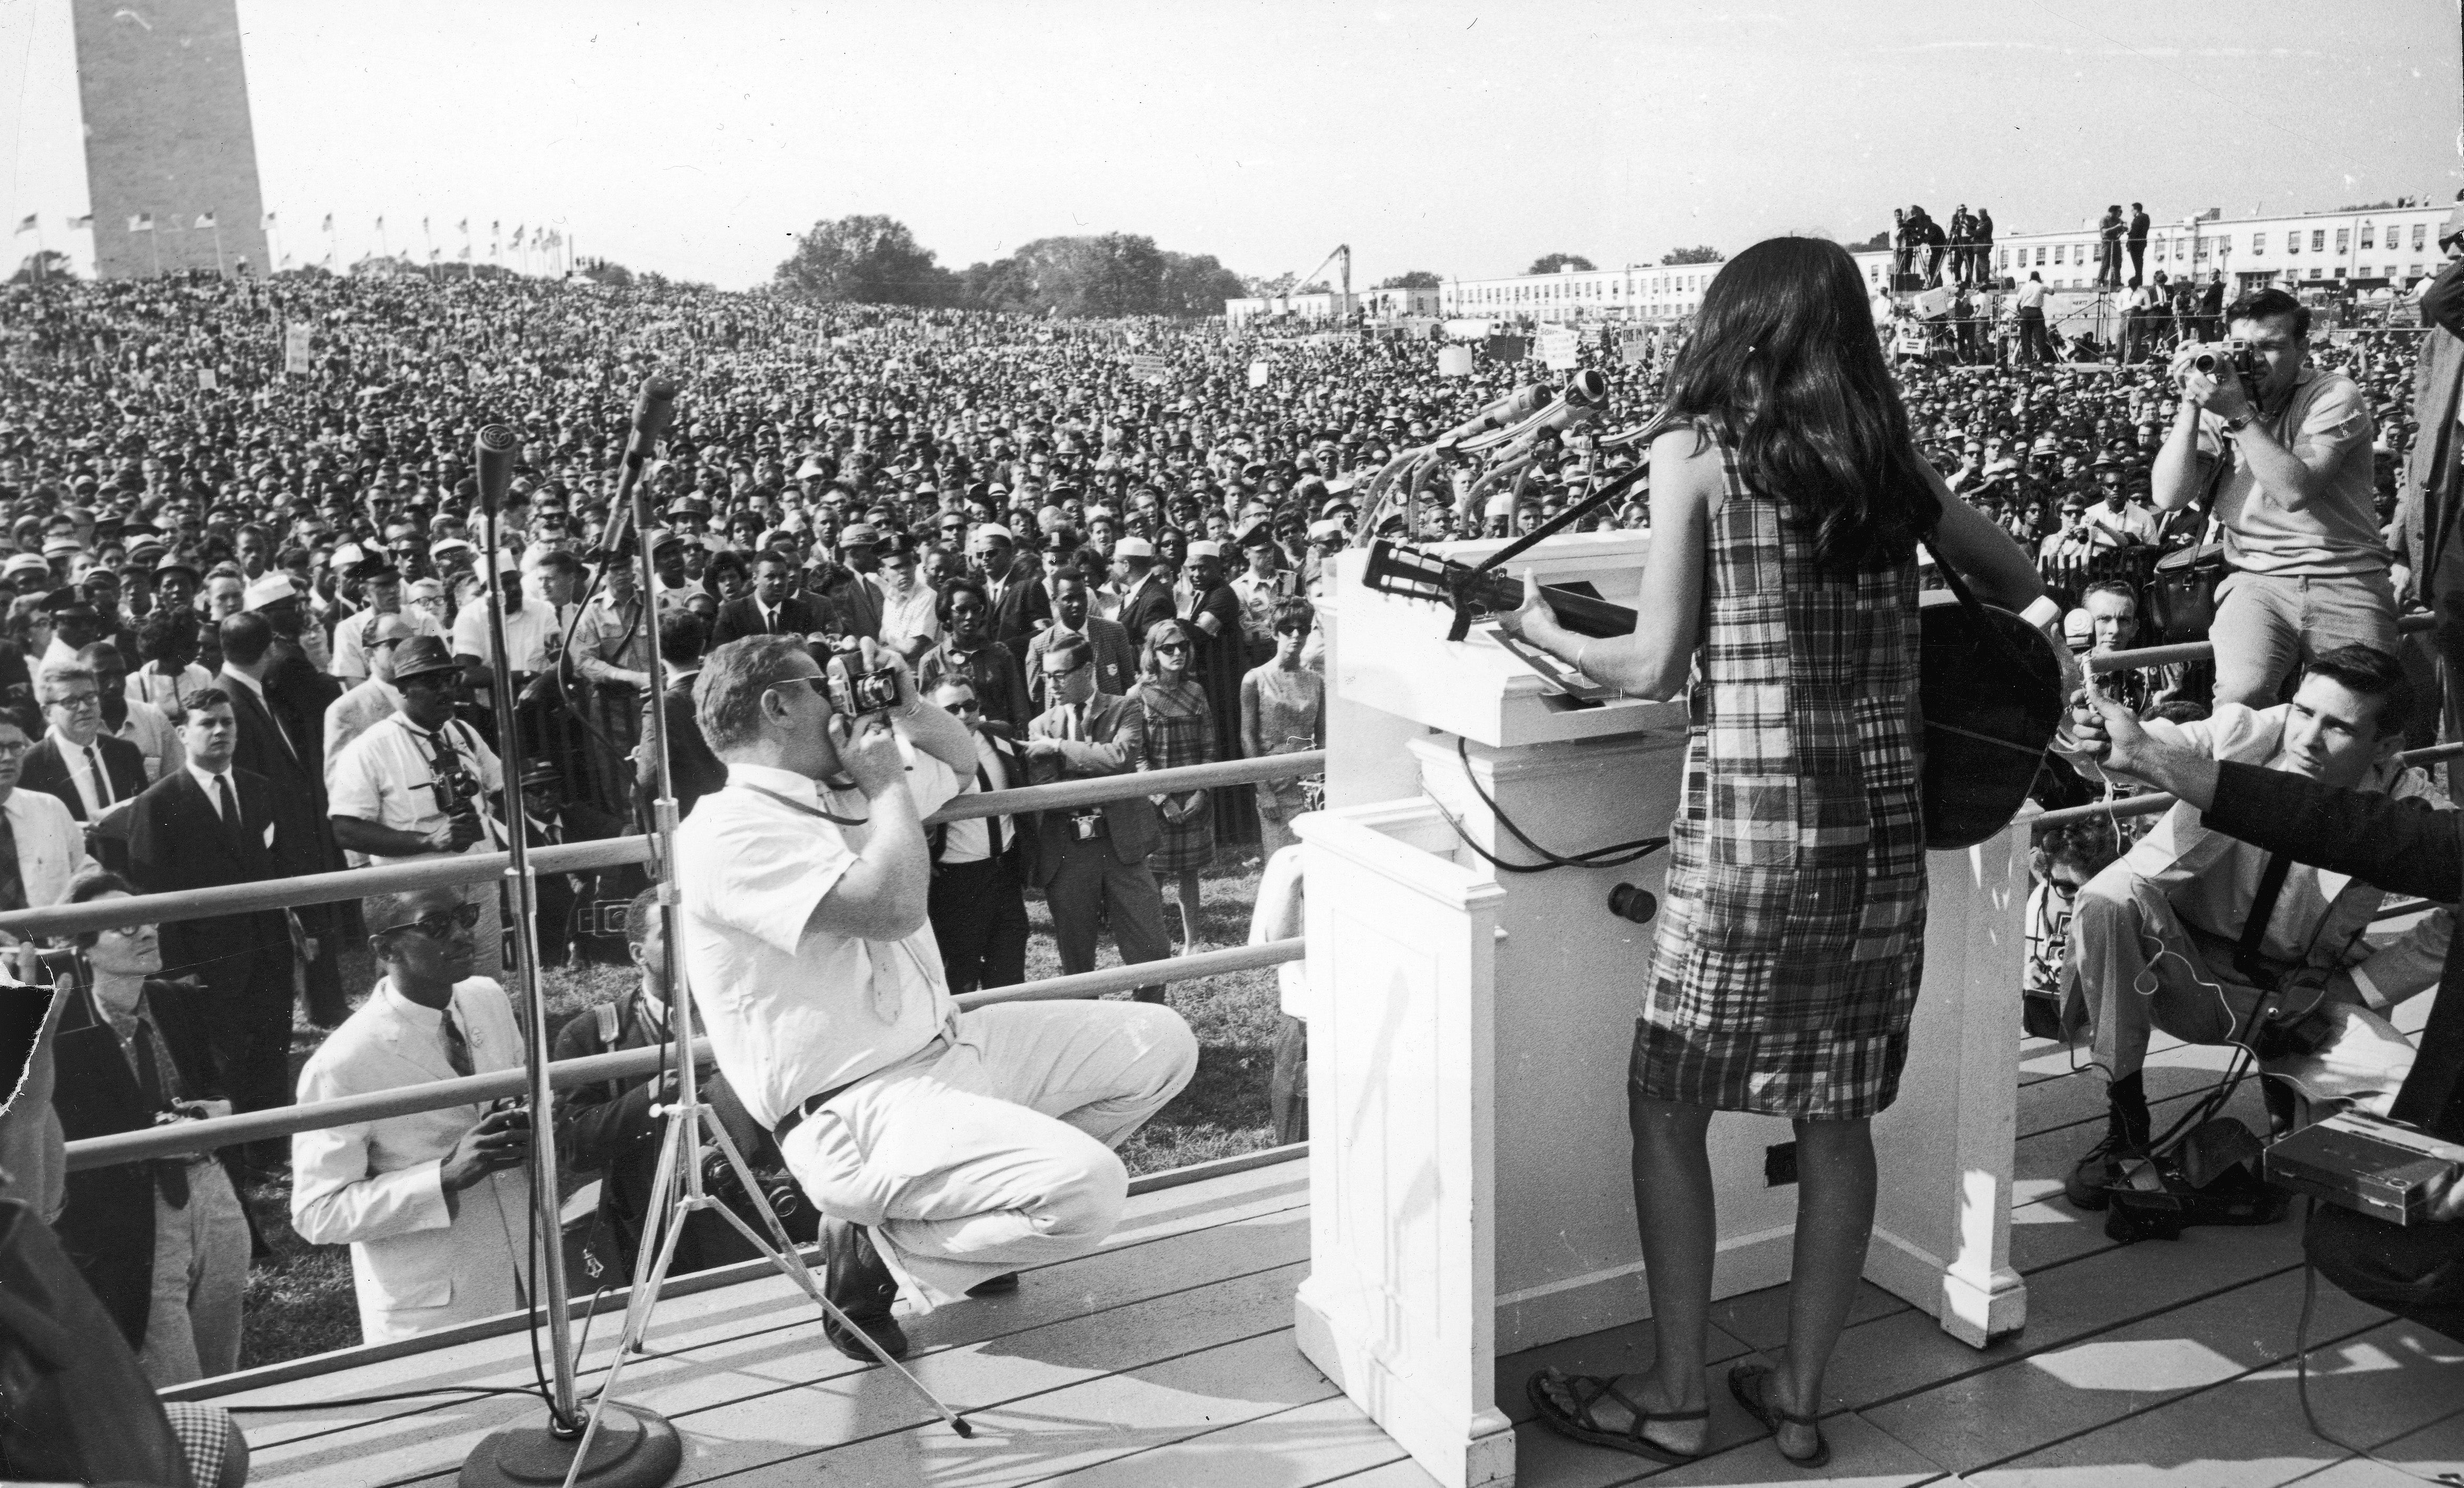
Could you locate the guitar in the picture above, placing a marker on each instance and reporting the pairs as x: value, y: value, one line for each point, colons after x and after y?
x: 1990, y: 685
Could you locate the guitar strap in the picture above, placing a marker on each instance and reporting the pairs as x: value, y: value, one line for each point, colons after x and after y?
x: 1967, y: 601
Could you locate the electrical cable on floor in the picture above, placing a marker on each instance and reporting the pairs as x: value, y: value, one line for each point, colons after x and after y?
x: 2302, y: 1370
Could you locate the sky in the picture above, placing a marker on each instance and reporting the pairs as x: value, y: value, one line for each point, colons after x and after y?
x: 1465, y: 138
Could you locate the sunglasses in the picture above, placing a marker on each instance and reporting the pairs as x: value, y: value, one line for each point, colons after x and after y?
x: 441, y: 924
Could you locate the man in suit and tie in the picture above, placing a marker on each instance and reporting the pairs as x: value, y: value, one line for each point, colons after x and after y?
x: 42, y: 849
x: 1146, y: 596
x: 770, y: 609
x: 978, y: 899
x: 695, y: 771
x: 290, y: 762
x: 90, y: 772
x: 434, y: 1204
x: 1021, y: 604
x: 1092, y: 863
x: 202, y: 826
x: 1116, y: 660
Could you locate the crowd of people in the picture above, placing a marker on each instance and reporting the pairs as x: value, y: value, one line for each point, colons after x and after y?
x: 246, y: 638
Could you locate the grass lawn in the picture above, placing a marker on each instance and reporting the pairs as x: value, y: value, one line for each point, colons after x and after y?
x: 299, y: 1302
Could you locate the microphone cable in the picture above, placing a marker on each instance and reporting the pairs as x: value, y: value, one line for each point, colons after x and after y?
x: 1616, y: 854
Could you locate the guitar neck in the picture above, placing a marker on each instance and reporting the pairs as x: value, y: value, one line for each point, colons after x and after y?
x: 1578, y: 613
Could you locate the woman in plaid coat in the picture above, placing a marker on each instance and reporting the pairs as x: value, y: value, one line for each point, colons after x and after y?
x: 1781, y: 596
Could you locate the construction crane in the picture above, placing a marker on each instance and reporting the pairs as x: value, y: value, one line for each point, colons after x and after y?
x: 1343, y: 251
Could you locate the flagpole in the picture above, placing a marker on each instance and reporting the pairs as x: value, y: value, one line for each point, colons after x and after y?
x: 154, y: 237
x: 219, y: 271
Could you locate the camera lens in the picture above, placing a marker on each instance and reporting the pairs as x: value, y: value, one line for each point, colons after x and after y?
x: 2205, y: 362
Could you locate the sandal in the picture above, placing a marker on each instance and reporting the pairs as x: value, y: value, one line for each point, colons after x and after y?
x: 1747, y: 1382
x: 1579, y: 1425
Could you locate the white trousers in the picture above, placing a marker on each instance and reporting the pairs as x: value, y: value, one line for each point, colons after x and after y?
x: 994, y: 1152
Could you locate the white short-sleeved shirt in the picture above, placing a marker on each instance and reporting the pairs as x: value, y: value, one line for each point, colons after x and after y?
x: 792, y: 1014
x: 531, y: 634
x: 383, y: 776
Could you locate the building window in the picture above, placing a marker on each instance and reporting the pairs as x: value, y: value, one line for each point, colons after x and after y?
x: 2419, y: 229
x: 2340, y: 270
x: 2368, y: 234
x: 2293, y: 241
x: 2040, y: 253
x: 2343, y: 239
x: 2313, y: 271
x: 2058, y: 251
x: 2318, y: 240
x: 2416, y: 270
x: 2259, y: 242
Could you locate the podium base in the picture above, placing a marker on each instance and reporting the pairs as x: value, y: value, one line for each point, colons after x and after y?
x: 634, y: 1448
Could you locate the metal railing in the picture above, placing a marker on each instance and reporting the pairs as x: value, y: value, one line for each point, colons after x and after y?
x: 185, y: 1137
x: 613, y: 852
x: 2199, y: 651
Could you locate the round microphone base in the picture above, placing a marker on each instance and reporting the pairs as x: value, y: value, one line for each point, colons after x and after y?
x: 634, y: 1448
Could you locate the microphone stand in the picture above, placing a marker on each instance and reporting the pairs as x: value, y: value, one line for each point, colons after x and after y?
x: 639, y: 1449
x: 677, y: 1190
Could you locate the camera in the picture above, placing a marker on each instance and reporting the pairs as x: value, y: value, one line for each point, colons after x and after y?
x: 2211, y: 357
x: 853, y: 692
x: 1087, y: 826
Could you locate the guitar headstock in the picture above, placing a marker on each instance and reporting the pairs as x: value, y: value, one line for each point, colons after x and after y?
x: 1408, y: 572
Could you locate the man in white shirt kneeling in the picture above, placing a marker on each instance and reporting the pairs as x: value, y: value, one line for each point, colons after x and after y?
x: 947, y: 1150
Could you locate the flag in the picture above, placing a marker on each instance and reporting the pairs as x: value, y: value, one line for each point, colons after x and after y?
x: 269, y: 222
x: 86, y: 222
x: 463, y: 226
x: 28, y: 225
x: 496, y: 228
x: 205, y: 220
x: 329, y: 223
x: 518, y: 235
x: 380, y: 223
x: 143, y: 222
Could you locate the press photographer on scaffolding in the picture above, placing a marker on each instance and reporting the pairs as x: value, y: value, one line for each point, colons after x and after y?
x: 2286, y: 447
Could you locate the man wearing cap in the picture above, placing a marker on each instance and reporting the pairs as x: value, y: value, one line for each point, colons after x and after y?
x: 911, y: 623
x: 845, y: 590
x: 365, y: 706
x: 612, y: 642
x: 1260, y: 587
x: 381, y: 594
x: 1146, y: 594
x: 421, y: 783
x: 1021, y: 604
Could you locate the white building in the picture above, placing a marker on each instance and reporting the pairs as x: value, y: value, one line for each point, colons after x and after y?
x: 1318, y: 305
x: 2369, y: 248
x: 1636, y: 292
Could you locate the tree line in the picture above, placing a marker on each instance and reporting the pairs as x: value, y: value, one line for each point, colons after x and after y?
x: 875, y: 260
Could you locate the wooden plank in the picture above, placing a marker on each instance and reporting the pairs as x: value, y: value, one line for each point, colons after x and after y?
x: 1611, y: 1351
x: 2248, y: 1431
x: 1080, y: 1426
x: 749, y: 1319
x: 2057, y: 1392
x: 1299, y: 1448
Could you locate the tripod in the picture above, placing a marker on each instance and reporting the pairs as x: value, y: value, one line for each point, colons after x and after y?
x: 677, y: 1191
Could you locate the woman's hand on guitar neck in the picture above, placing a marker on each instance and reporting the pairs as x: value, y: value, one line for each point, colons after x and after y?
x: 1535, y: 624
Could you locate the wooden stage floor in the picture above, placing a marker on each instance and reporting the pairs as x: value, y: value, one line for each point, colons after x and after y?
x: 1168, y: 1359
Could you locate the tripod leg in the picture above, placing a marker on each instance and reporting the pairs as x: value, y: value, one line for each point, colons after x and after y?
x: 803, y: 1278
x: 665, y: 1182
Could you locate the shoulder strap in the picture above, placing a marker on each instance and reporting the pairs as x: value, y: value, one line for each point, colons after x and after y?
x: 1968, y: 599
x: 608, y: 1020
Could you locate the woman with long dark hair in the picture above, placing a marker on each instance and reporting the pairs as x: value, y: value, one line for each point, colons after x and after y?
x: 1780, y: 596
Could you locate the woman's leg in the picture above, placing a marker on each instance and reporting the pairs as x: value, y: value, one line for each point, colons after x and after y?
x: 1672, y: 1199
x: 1188, y: 911
x: 1835, y: 1221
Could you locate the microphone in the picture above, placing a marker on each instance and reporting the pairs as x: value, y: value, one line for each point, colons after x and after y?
x: 1520, y: 404
x: 650, y: 414
x: 495, y: 456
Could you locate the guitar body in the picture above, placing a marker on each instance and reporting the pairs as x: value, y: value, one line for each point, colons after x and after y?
x: 1990, y: 687
x: 1987, y: 722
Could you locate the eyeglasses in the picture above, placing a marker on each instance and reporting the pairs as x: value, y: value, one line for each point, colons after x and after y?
x: 966, y: 705
x: 1171, y: 648
x: 441, y: 924
x: 1054, y: 673
x: 79, y: 702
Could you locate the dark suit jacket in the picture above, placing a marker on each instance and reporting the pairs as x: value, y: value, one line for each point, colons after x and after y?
x: 1116, y: 660
x: 300, y: 694
x: 2437, y: 379
x: 2402, y: 847
x: 178, y: 841
x: 696, y: 770
x: 46, y: 771
x: 107, y: 1225
x: 1116, y: 744
x: 741, y: 618
x: 1152, y: 601
x: 1025, y: 608
x: 305, y: 842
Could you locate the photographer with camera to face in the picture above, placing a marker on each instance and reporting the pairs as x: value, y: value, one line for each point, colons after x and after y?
x: 2286, y: 449
x: 421, y: 782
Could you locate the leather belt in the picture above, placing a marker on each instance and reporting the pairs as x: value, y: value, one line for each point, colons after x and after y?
x: 814, y: 1102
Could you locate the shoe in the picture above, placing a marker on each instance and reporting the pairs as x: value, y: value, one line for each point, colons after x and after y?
x: 2104, y: 1166
x: 1579, y: 1424
x: 860, y: 1286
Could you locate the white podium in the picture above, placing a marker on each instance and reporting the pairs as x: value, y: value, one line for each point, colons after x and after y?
x: 1469, y: 1031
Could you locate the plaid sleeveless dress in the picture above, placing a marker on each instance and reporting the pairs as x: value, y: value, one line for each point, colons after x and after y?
x: 1791, y: 930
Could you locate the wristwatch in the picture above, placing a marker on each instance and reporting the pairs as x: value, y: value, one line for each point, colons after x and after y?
x: 2234, y: 427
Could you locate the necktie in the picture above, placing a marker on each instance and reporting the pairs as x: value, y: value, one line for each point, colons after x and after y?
x: 12, y: 882
x: 102, y: 781
x: 234, y: 826
x: 457, y: 1048
x: 170, y: 1174
x: 992, y: 824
